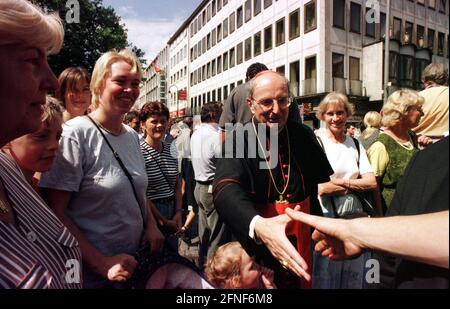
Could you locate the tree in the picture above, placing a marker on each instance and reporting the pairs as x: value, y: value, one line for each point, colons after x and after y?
x: 98, y: 31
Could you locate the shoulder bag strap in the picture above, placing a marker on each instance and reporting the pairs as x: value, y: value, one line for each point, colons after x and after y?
x: 122, y: 166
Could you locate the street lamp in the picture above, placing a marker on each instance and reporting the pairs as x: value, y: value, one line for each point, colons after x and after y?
x: 387, y: 50
x: 176, y: 91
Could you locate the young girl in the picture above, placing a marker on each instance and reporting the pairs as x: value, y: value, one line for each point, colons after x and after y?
x: 74, y: 92
x: 35, y: 152
x: 232, y: 268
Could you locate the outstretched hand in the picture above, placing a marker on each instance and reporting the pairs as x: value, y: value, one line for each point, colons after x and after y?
x: 333, y: 236
x: 272, y: 232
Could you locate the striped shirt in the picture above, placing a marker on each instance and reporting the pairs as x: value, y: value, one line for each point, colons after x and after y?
x: 162, y: 171
x: 38, y: 252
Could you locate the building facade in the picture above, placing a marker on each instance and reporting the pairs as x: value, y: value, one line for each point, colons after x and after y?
x: 319, y: 45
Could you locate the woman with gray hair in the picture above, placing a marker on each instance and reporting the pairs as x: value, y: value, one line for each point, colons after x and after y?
x: 340, y: 197
x: 35, y: 246
x: 395, y: 146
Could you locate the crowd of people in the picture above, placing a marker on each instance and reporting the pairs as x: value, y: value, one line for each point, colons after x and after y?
x: 85, y: 177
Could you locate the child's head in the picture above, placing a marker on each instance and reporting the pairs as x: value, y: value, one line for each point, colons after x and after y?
x: 232, y: 268
x: 36, y: 151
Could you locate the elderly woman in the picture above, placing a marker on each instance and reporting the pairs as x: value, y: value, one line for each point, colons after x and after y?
x: 340, y: 196
x: 97, y: 184
x: 74, y: 92
x: 372, y: 122
x: 35, y: 245
x: 164, y: 185
x: 396, y: 145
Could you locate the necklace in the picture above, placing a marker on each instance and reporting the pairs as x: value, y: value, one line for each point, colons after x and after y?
x: 281, y: 199
x: 109, y: 131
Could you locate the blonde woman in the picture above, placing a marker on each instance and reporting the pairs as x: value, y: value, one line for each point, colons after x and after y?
x: 339, y: 197
x: 88, y: 187
x: 395, y: 146
x: 35, y: 245
x: 372, y: 122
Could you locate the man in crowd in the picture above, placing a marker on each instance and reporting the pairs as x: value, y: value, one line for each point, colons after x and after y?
x: 434, y: 123
x: 251, y: 192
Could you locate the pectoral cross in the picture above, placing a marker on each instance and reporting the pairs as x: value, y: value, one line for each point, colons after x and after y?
x: 281, y: 200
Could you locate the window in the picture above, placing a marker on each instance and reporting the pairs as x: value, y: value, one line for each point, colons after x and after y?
x: 239, y: 53
x: 370, y: 27
x: 208, y: 70
x: 225, y: 92
x: 204, y: 72
x: 339, y: 13
x: 280, y: 70
x: 213, y: 8
x: 354, y: 68
x: 248, y: 10
x: 219, y: 94
x: 231, y: 86
x: 248, y: 49
x: 256, y: 7
x: 213, y: 67
x: 431, y: 35
x: 219, y: 64
x: 294, y: 77
x: 239, y: 17
x: 397, y: 29
x: 225, y: 28
x: 208, y: 13
x: 442, y: 6
x: 355, y: 17
x: 309, y: 86
x: 208, y: 41
x: 219, y: 33
x: 213, y: 37
x: 257, y: 44
x: 219, y: 5
x: 441, y: 43
x: 213, y: 94
x: 225, y: 61
x: 225, y: 2
x: 310, y: 16
x: 279, y: 32
x: 382, y: 25
x: 338, y: 65
x: 204, y: 45
x: 420, y: 36
x: 409, y: 29
x: 267, y: 3
x: 232, y: 22
x: 232, y: 58
x: 294, y: 24
x: 406, y: 71
x: 268, y: 38
x: 432, y: 4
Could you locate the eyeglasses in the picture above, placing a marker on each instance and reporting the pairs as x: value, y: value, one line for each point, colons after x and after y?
x: 267, y: 104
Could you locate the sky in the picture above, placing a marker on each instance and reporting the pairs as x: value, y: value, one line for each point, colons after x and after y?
x: 151, y: 23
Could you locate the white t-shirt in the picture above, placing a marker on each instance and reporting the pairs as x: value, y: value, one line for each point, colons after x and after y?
x: 343, y: 158
x: 102, y: 203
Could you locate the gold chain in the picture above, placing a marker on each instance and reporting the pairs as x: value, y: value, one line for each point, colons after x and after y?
x: 281, y: 200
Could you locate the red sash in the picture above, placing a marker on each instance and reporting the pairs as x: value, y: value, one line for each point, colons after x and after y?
x: 299, y: 230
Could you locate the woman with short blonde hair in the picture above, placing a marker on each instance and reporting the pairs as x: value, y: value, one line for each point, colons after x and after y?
x: 103, y: 68
x: 393, y: 148
x: 340, y: 197
x: 98, y: 182
x: 372, y: 122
